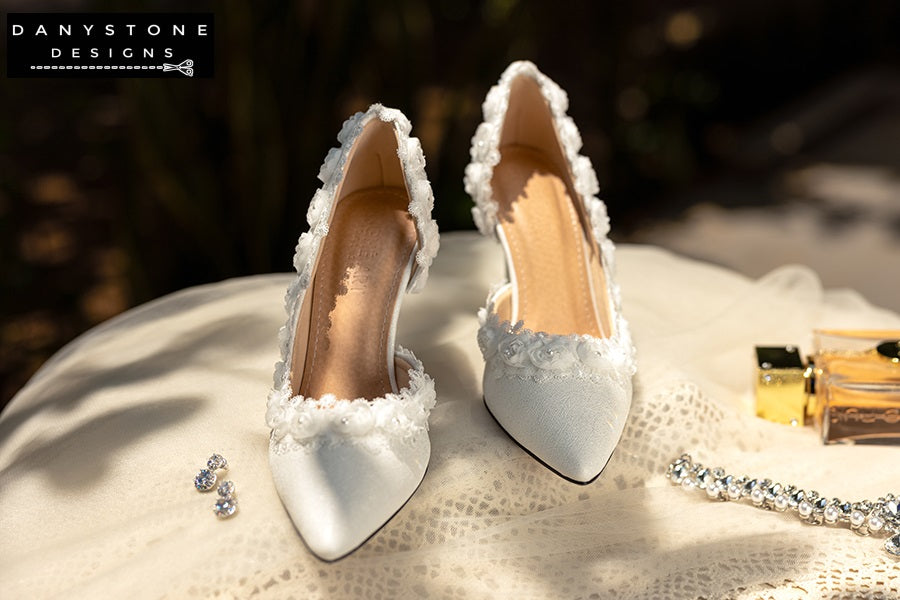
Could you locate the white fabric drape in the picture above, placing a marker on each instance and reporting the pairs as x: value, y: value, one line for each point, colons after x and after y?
x: 98, y: 452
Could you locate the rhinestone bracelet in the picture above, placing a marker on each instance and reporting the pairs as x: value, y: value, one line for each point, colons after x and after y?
x: 881, y: 517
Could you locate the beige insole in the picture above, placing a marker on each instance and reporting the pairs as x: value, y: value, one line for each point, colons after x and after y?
x: 548, y: 250
x: 354, y: 293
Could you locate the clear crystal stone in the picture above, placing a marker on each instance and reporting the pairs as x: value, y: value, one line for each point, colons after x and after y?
x: 892, y: 545
x: 702, y: 476
x: 796, y: 498
x: 804, y: 508
x: 226, y: 489
x: 225, y: 507
x: 205, y: 480
x: 216, y: 462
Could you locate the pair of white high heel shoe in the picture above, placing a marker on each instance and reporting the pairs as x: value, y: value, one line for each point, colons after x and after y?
x: 349, y: 409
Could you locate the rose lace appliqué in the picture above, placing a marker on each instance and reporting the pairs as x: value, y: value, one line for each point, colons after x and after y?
x: 510, y: 350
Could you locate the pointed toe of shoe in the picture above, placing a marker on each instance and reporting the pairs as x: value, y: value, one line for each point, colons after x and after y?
x: 338, y: 495
x: 572, y: 425
x: 331, y: 539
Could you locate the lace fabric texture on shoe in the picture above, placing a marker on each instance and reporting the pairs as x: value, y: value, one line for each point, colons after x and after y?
x: 516, y: 352
x: 301, y: 423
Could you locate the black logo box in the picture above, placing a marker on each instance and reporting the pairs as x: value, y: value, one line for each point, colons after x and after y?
x: 175, y: 45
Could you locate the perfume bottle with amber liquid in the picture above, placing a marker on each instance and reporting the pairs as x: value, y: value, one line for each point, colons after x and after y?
x: 849, y: 388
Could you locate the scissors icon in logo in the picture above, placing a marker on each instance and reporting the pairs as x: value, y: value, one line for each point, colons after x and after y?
x: 185, y: 67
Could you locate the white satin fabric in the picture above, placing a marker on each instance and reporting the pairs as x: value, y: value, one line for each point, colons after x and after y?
x: 98, y: 452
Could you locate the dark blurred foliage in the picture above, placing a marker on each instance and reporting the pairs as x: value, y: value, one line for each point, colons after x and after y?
x: 113, y: 192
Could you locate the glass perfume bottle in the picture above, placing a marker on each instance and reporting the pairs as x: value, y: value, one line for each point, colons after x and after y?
x: 850, y: 388
x: 857, y: 384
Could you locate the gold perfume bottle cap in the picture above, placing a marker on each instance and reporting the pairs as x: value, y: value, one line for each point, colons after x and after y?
x: 781, y: 385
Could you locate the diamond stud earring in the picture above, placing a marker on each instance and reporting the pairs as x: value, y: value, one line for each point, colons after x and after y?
x: 205, y: 480
x: 216, y: 462
x: 226, y: 504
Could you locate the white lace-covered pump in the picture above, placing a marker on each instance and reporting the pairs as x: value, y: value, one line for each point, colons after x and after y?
x: 558, y: 354
x: 349, y: 409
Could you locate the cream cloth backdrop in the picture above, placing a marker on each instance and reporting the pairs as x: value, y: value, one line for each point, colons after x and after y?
x: 98, y: 452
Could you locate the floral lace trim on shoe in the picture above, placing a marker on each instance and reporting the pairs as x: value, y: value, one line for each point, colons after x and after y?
x: 318, y: 215
x: 485, y: 152
x: 307, y: 423
x: 421, y: 203
x: 513, y: 351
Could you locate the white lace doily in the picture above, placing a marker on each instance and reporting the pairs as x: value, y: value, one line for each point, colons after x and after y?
x: 98, y: 452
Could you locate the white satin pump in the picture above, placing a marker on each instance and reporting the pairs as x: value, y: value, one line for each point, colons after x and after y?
x: 349, y: 409
x: 558, y: 354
